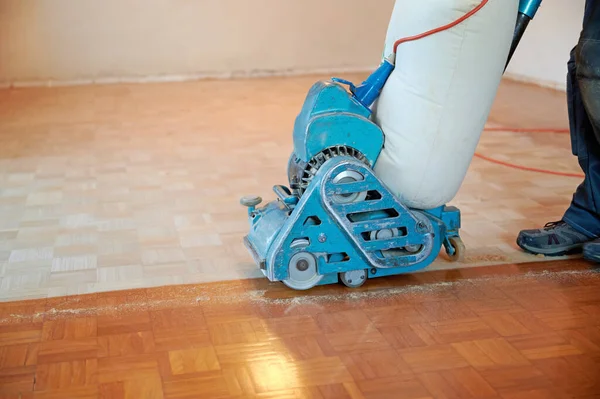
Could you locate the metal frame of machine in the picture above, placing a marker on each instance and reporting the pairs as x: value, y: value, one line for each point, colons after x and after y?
x: 337, y: 221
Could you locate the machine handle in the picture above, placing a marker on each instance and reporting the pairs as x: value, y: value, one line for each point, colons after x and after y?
x: 250, y: 201
x: 527, y: 11
x: 345, y: 82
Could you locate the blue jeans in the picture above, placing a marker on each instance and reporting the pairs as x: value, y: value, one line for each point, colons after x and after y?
x: 583, y: 96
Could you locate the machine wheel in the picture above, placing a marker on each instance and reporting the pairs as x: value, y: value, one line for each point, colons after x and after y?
x: 354, y: 278
x: 302, y: 269
x: 349, y: 176
x: 459, y: 249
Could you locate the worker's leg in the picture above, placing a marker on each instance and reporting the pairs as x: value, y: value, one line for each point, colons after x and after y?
x: 584, y: 212
x: 581, y: 222
x: 588, y: 76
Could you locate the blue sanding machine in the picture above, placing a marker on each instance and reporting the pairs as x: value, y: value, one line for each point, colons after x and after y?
x: 336, y: 221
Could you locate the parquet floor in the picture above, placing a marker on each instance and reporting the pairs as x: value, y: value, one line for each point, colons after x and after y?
x: 510, y: 332
x: 135, y: 186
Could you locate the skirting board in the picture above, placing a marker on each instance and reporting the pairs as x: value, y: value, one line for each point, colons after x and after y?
x: 237, y: 75
x: 560, y: 86
x: 248, y: 74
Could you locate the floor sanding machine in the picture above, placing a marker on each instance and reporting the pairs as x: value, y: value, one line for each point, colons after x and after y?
x: 336, y: 221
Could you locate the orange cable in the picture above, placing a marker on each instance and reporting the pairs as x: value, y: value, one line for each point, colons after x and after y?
x: 441, y: 28
x: 526, y: 130
x: 527, y: 168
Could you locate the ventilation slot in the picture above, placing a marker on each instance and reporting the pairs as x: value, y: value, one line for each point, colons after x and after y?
x: 399, y: 232
x: 312, y: 221
x: 373, y: 196
x: 338, y: 258
x: 399, y: 252
x: 372, y: 215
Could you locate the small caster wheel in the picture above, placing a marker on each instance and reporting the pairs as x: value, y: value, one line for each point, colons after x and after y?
x: 250, y: 201
x: 459, y: 249
x: 354, y: 278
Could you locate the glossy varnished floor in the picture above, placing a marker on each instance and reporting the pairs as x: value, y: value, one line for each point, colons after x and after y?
x: 133, y: 186
x: 511, y: 332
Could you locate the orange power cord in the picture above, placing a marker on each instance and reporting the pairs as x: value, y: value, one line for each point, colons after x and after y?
x: 527, y: 168
x: 527, y: 130
x: 441, y: 28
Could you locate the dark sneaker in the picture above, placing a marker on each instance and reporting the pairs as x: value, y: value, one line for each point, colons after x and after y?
x: 555, y: 239
x: 591, y: 251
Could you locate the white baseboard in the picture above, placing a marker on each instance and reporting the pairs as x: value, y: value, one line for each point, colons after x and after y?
x: 237, y: 75
x: 187, y: 77
x: 538, y: 82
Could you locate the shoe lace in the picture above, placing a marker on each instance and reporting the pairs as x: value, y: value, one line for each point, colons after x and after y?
x: 552, y: 225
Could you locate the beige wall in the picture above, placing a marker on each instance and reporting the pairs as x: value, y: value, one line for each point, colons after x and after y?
x: 71, y: 40
x: 543, y: 54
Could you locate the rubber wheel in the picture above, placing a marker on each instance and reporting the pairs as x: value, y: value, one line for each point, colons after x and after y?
x: 302, y: 267
x: 353, y: 279
x: 459, y: 249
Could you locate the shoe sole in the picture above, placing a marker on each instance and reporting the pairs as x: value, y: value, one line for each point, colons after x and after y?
x: 591, y: 257
x: 572, y: 250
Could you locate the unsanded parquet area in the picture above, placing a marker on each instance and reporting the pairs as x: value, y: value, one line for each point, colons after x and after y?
x: 510, y: 332
x: 133, y: 186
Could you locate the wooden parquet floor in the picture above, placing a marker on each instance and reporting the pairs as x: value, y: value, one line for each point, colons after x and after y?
x: 115, y: 187
x: 511, y: 332
x: 136, y: 187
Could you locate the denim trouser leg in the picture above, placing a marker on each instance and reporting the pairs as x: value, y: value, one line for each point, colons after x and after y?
x: 583, y: 96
